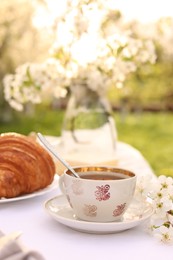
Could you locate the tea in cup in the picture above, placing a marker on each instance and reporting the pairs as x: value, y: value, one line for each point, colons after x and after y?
x: 101, y: 194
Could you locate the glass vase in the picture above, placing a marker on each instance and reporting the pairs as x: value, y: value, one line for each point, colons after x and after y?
x: 88, y: 133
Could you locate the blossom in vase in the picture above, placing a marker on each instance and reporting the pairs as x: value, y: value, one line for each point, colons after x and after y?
x: 31, y: 82
x: 110, y: 56
x: 89, y: 50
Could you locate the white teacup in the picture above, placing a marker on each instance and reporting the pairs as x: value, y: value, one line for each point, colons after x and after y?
x: 101, y: 194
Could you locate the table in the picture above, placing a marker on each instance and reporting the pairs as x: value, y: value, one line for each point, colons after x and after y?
x: 125, y: 156
x: 56, y: 241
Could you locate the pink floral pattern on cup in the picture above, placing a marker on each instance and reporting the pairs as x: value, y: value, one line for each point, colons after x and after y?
x: 102, y: 192
x: 119, y: 210
x: 90, y: 210
x: 77, y: 187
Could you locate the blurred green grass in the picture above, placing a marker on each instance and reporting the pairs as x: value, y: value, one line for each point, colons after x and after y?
x: 150, y: 133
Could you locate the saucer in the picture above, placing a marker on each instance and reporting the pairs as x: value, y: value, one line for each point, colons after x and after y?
x: 59, y: 209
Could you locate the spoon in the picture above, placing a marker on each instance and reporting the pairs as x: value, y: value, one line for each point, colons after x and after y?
x: 54, y: 152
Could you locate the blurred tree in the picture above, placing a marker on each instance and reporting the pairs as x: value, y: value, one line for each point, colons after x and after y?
x: 20, y: 41
x: 151, y: 87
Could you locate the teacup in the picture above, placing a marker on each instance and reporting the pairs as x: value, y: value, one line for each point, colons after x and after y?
x: 101, y: 194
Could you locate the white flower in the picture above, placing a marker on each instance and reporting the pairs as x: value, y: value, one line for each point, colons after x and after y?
x: 165, y: 234
x: 162, y: 206
x: 31, y: 82
x: 170, y: 193
x: 165, y: 182
x: 86, y: 52
x: 160, y: 190
x: 111, y: 56
x: 14, y: 104
x: 157, y: 193
x: 143, y: 186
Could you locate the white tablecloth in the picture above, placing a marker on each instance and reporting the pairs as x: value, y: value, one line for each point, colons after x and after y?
x: 125, y: 156
x: 56, y: 241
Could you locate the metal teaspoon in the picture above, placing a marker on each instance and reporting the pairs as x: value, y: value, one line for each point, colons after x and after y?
x: 54, y: 152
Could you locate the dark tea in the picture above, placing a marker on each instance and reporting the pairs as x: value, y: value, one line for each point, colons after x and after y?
x: 90, y: 175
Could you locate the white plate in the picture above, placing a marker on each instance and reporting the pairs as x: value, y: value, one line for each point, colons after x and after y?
x: 60, y: 210
x: 49, y: 188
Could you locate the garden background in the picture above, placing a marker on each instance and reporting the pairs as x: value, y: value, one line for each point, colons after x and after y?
x: 143, y: 107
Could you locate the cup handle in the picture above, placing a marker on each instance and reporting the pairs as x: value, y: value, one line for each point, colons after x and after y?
x: 61, y: 184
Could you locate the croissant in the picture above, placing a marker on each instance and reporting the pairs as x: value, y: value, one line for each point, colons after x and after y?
x: 25, y: 166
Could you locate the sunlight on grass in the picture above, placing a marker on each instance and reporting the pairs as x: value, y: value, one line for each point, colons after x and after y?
x: 150, y: 133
